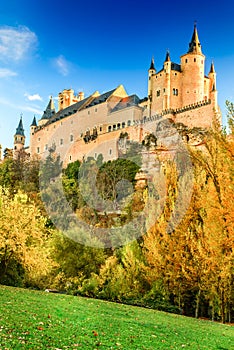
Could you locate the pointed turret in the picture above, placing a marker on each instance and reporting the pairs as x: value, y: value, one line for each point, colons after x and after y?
x: 48, y: 113
x: 151, y: 72
x: 212, y: 69
x: 20, y: 129
x: 19, y: 139
x: 167, y: 59
x: 34, y: 122
x: 212, y: 77
x: 194, y: 45
x: 152, y: 64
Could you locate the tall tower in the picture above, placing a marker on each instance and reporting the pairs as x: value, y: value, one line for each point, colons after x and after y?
x: 192, y: 67
x: 19, y: 138
x: 33, y: 127
x: 151, y: 72
x: 167, y: 83
x: 213, y: 94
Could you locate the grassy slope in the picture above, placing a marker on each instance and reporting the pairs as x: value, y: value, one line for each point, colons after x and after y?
x: 39, y: 320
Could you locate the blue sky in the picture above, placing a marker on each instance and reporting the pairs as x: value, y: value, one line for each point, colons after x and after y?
x: 48, y: 46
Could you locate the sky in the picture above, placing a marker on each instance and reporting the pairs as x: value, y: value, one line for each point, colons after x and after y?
x: 48, y: 46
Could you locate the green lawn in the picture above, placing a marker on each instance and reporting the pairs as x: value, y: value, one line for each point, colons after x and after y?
x: 40, y: 320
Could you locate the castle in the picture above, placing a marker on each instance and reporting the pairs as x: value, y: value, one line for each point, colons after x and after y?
x: 82, y: 126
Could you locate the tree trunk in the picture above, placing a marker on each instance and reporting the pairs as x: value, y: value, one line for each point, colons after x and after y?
x: 197, y: 303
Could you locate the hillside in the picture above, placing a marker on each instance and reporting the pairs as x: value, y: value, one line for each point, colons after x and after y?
x: 40, y: 320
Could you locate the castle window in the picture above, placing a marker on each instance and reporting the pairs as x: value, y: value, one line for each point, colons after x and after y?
x: 88, y: 112
x: 71, y: 138
x: 37, y: 140
x: 70, y: 157
x: 61, y: 141
x: 118, y: 126
x: 175, y: 73
x: 95, y: 155
x: 110, y: 151
x: 114, y: 127
x: 95, y: 109
x: 175, y: 92
x: 164, y: 90
x: 38, y: 149
x: 123, y: 125
x: 158, y: 93
x: 129, y: 122
x: 100, y: 129
x: 109, y: 128
x: 194, y: 59
x: 46, y: 147
x: 186, y: 60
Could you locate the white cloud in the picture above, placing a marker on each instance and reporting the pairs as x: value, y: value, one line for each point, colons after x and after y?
x: 19, y: 107
x: 5, y: 73
x: 16, y: 42
x: 32, y: 109
x: 35, y: 97
x: 62, y: 65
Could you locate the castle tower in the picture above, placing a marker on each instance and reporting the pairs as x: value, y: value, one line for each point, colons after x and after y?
x: 19, y: 138
x: 151, y: 72
x: 33, y: 127
x: 167, y: 83
x: 48, y: 113
x: 66, y: 98
x: 192, y: 67
x: 213, y: 94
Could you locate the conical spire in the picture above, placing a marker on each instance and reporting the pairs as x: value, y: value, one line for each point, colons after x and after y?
x: 50, y: 110
x: 152, y: 64
x: 20, y: 128
x: 34, y: 122
x: 167, y: 59
x: 212, y: 69
x: 194, y: 45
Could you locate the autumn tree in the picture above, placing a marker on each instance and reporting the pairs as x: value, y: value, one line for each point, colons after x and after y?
x: 24, y: 258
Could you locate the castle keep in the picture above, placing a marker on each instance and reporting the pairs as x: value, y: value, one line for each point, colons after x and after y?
x: 92, y: 125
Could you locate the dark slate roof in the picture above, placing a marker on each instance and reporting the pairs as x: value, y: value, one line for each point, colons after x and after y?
x: 176, y: 66
x: 100, y: 99
x: 69, y: 110
x: 125, y: 102
x: 50, y: 110
x: 20, y: 129
x: 194, y: 45
x: 34, y: 122
x: 167, y: 59
x: 212, y: 69
x: 152, y: 64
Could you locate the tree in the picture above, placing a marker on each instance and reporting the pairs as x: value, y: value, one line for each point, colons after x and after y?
x: 23, y: 237
x: 113, y: 173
